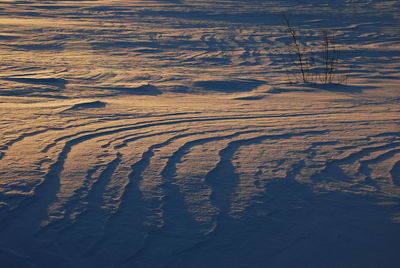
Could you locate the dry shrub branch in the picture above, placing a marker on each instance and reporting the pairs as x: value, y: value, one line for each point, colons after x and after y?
x: 309, y: 65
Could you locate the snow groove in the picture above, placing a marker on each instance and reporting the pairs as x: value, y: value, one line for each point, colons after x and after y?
x: 395, y: 173
x: 353, y: 168
x: 90, y: 223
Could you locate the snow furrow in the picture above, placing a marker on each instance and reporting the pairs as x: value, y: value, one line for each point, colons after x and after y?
x: 133, y: 207
x: 221, y: 176
x: 173, y: 201
x: 395, y: 173
x: 23, y: 136
x: 342, y: 169
x: 90, y: 223
x: 366, y: 165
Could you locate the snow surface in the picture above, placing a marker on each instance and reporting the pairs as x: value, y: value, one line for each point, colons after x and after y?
x: 165, y: 134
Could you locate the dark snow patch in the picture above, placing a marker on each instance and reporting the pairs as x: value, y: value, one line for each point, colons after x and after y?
x: 257, y: 97
x: 340, y: 87
x: 57, y: 82
x: 41, y: 91
x: 8, y: 37
x: 237, y: 85
x: 140, y: 90
x: 286, y: 90
x: 87, y: 105
x: 178, y: 89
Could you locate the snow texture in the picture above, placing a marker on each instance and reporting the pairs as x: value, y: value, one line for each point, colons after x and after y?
x: 166, y: 134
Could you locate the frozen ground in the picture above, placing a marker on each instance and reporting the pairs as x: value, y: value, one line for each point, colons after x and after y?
x: 164, y: 134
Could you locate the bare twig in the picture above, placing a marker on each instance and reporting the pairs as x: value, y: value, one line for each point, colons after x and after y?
x: 322, y: 69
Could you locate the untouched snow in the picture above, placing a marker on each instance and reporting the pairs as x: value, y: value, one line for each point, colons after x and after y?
x: 165, y: 134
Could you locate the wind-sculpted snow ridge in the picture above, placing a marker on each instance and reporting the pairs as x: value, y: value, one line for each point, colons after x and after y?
x: 197, y: 181
x: 165, y: 134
